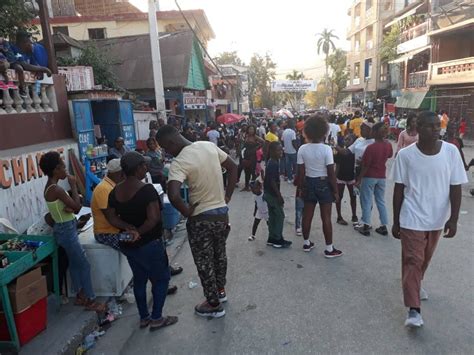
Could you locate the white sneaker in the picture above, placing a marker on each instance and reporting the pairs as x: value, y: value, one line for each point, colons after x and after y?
x: 414, y: 319
x: 299, y: 232
x: 251, y: 238
x: 423, y: 294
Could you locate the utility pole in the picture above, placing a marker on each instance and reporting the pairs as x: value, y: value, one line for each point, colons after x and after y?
x: 47, y: 38
x: 156, y: 58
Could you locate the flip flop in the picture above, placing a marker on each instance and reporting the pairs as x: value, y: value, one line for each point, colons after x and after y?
x: 165, y: 322
x: 95, y: 306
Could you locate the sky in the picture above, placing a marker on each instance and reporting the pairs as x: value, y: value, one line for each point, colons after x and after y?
x: 285, y: 29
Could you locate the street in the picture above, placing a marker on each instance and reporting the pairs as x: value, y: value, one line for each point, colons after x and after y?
x: 288, y: 301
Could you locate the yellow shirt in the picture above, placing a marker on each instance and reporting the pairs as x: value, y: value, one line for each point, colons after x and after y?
x: 271, y: 137
x: 444, y: 121
x: 355, y: 125
x: 100, y: 201
x: 200, y: 165
x: 343, y: 128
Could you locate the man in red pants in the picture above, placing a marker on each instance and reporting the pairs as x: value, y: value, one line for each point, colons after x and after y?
x: 426, y: 199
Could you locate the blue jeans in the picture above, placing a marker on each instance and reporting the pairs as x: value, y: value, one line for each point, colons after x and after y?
x: 149, y: 262
x: 299, y: 204
x: 373, y: 187
x: 79, y: 267
x: 290, y: 160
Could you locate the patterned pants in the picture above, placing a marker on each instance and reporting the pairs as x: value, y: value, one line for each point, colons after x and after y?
x: 207, y: 240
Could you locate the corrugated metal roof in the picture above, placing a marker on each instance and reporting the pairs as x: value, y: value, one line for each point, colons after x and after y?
x: 133, y: 57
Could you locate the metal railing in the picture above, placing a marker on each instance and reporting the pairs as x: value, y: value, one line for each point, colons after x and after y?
x: 417, y: 79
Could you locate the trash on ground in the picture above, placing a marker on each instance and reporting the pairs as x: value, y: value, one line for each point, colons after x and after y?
x: 192, y: 284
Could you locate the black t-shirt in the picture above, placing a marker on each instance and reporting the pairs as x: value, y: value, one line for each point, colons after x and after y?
x: 272, y: 173
x: 346, y: 163
x: 133, y: 212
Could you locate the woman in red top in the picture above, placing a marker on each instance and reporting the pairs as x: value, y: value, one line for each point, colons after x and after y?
x: 372, y: 179
x: 462, y: 128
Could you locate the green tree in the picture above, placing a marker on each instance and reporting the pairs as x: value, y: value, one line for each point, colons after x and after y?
x: 15, y: 15
x: 326, y: 44
x: 261, y: 73
x: 229, y: 58
x: 294, y: 97
x: 388, y: 49
x: 338, y: 63
x: 100, y: 63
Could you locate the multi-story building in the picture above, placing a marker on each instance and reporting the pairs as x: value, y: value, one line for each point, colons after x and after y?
x: 367, y: 75
x: 100, y: 19
x: 451, y: 71
x: 231, y: 89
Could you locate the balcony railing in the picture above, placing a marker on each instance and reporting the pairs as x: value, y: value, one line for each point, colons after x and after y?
x: 417, y: 79
x: 39, y: 95
x: 458, y: 71
x: 413, y: 32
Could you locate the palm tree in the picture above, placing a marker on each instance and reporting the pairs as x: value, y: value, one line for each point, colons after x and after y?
x: 295, y: 75
x: 326, y: 44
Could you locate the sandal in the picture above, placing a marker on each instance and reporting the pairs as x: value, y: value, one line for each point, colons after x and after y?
x: 81, y: 299
x: 91, y: 305
x: 342, y: 222
x: 163, y: 322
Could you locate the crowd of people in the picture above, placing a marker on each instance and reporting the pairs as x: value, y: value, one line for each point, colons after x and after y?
x: 319, y: 155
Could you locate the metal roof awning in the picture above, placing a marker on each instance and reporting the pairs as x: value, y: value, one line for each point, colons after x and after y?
x: 411, y: 99
x: 405, y: 15
x: 467, y: 24
x: 409, y: 55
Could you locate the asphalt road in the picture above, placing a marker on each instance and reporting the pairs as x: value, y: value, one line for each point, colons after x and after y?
x: 288, y: 301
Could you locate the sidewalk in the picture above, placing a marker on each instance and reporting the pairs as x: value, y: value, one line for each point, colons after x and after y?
x: 68, y: 327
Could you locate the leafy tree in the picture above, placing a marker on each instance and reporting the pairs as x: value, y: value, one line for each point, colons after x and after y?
x: 388, y: 49
x: 229, y: 58
x: 326, y: 44
x: 14, y: 15
x: 316, y: 99
x: 100, y: 63
x: 261, y: 73
x: 338, y: 63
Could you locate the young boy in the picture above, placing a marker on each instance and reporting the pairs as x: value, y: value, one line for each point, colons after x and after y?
x: 8, y: 60
x: 261, y: 208
x: 272, y: 195
x: 428, y: 177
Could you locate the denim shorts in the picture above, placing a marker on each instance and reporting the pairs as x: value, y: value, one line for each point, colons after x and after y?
x: 317, y: 190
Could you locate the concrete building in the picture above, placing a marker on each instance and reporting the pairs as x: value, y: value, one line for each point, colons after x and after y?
x: 366, y: 74
x: 231, y: 89
x: 100, y: 19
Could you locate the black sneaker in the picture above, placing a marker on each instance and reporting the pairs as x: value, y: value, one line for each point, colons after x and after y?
x: 355, y: 220
x: 308, y: 247
x: 332, y: 254
x: 205, y: 309
x: 382, y: 230
x: 363, y: 229
x: 175, y: 270
x: 281, y: 243
x: 222, y: 295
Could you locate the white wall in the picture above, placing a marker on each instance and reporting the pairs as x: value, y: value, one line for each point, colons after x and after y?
x: 22, y: 203
x: 142, y: 123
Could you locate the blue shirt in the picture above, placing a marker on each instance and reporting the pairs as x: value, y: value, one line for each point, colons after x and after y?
x: 39, y: 55
x: 272, y: 173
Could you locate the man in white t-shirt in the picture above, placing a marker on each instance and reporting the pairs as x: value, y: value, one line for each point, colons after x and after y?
x: 200, y: 165
x: 213, y: 135
x: 333, y: 132
x: 426, y: 199
x: 290, y: 148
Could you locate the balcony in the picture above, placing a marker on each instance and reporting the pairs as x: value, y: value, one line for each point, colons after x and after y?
x: 414, y: 38
x: 458, y: 71
x: 417, y: 80
x: 40, y: 95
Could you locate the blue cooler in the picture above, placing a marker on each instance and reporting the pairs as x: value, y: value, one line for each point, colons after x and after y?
x: 170, y: 214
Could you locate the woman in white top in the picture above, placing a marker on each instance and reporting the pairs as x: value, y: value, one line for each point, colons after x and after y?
x: 317, y: 181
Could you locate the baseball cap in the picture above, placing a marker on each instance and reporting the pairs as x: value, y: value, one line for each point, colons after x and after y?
x: 113, y: 166
x: 131, y: 160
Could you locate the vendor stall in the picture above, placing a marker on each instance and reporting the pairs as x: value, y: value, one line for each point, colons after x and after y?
x: 23, y: 293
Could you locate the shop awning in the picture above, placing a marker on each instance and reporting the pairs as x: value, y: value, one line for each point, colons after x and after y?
x: 409, y: 55
x: 405, y: 15
x: 411, y: 99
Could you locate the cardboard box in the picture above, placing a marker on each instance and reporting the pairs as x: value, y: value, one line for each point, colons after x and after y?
x: 28, y: 289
